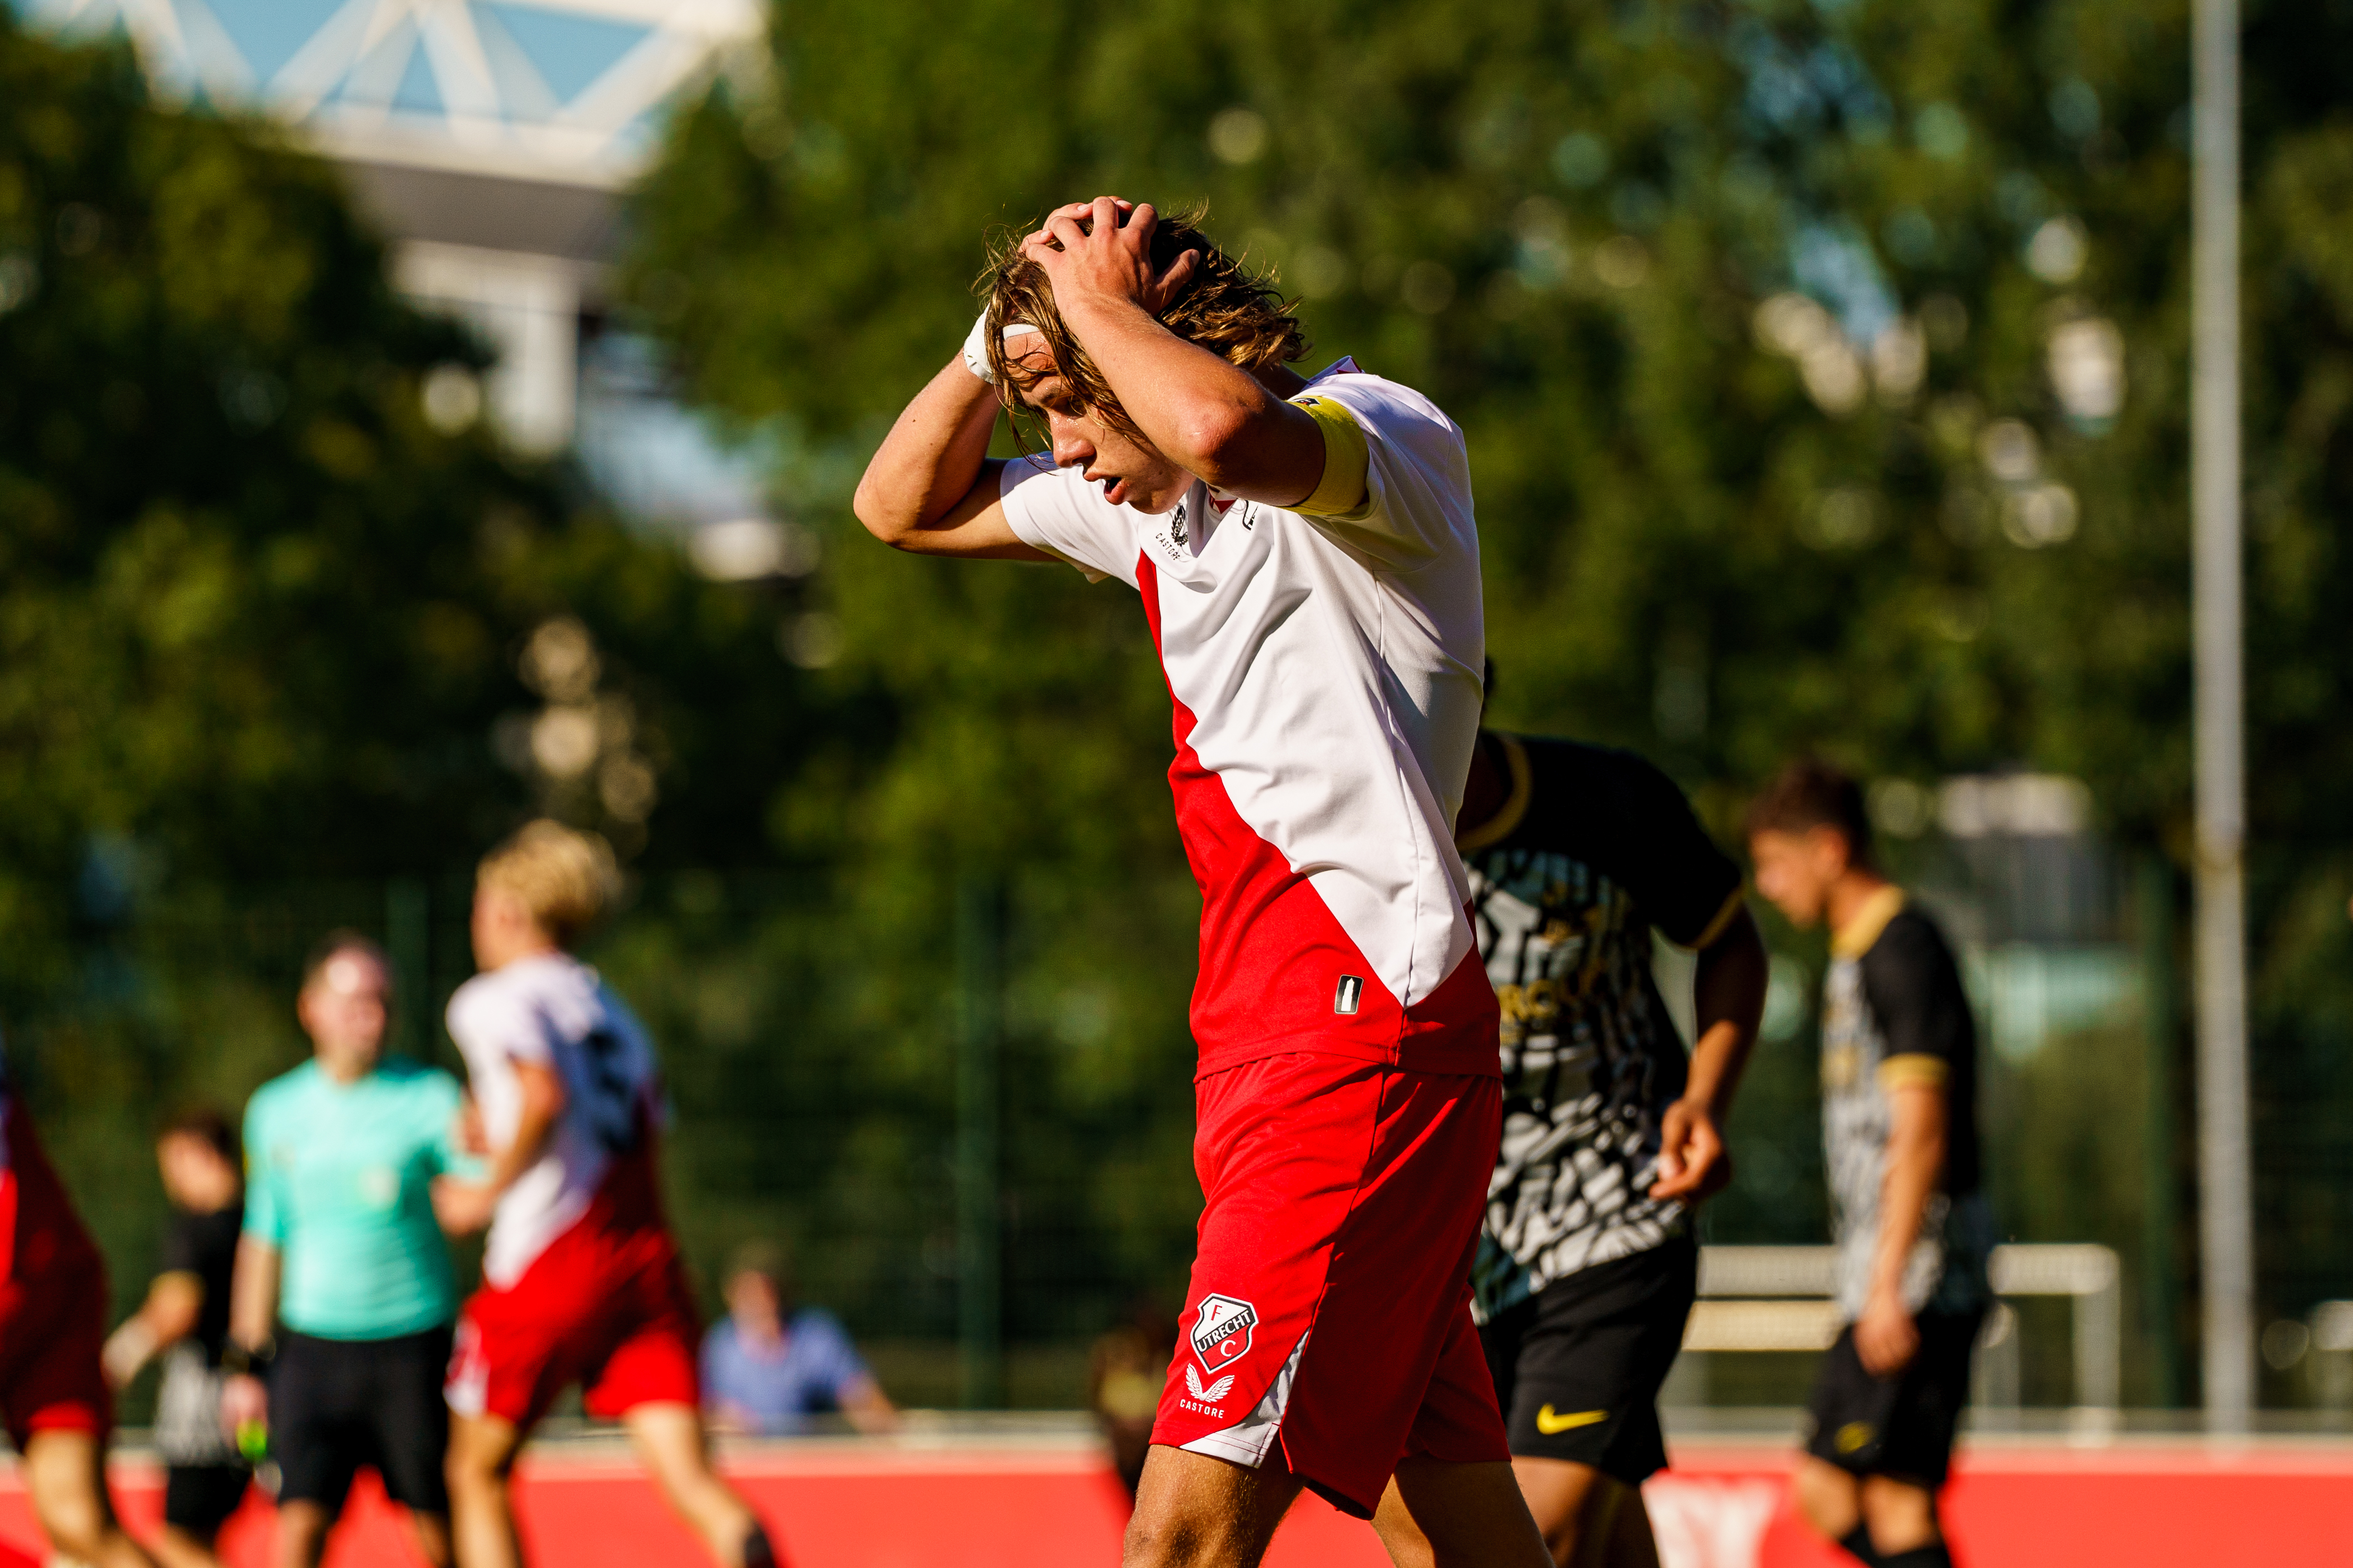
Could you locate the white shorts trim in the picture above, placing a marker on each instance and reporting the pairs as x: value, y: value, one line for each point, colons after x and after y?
x: 1248, y: 1441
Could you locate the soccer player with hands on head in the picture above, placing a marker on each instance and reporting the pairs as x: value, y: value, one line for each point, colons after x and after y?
x: 1308, y: 561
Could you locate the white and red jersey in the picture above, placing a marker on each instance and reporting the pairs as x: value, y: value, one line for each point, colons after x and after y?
x: 553, y: 1011
x: 1326, y: 679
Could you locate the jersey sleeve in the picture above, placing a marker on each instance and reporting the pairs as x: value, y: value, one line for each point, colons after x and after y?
x: 716, y: 1366
x: 834, y: 1363
x: 1690, y: 889
x: 1417, y: 502
x: 265, y: 1212
x: 1654, y: 846
x: 1056, y: 510
x: 493, y: 1021
x: 449, y: 1157
x: 1914, y: 990
x: 183, y: 1245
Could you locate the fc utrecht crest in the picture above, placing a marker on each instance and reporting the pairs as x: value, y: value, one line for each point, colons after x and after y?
x: 1221, y: 1331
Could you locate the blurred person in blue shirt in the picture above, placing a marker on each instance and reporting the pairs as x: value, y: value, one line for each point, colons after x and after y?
x: 771, y: 1364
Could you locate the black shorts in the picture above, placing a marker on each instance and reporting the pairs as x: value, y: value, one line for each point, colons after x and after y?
x: 1578, y: 1364
x: 198, y: 1499
x: 336, y: 1405
x: 1899, y: 1427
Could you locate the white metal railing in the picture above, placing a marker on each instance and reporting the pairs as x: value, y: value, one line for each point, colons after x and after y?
x: 1778, y: 1299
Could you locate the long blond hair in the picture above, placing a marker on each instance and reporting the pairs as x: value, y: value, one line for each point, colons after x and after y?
x: 565, y: 877
x: 1225, y: 308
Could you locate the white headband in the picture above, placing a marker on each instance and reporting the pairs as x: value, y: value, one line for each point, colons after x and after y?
x: 975, y: 344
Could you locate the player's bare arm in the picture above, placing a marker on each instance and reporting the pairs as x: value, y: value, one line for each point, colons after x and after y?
x: 1729, y: 995
x: 252, y: 1324
x: 869, y: 1409
x: 174, y: 1301
x: 463, y: 1207
x: 1885, y: 1336
x: 932, y: 489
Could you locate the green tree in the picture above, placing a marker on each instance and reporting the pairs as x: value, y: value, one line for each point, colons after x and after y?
x: 261, y: 616
x: 1824, y: 368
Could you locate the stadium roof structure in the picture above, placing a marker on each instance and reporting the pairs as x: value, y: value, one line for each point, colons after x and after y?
x: 490, y: 142
x: 562, y: 91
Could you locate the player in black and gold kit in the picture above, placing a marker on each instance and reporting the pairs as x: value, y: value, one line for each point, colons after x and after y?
x: 1587, y: 1265
x: 1899, y: 1131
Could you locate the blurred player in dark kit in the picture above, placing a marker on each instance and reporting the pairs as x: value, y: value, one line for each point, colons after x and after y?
x: 1900, y: 1136
x: 53, y: 1391
x: 184, y: 1320
x: 1587, y: 1265
x: 581, y: 1279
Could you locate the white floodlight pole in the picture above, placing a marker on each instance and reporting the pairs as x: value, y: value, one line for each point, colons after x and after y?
x: 2225, y: 1180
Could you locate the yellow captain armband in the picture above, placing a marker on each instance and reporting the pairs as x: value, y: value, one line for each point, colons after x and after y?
x: 1345, y: 460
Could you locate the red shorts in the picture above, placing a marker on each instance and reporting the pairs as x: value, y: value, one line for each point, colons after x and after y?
x: 52, y: 1327
x: 1330, y: 1304
x: 604, y: 1307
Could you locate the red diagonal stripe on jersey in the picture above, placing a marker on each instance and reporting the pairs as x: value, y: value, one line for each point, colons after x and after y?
x: 1273, y: 952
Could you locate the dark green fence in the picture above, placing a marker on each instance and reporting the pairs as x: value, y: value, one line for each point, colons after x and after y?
x: 979, y: 1155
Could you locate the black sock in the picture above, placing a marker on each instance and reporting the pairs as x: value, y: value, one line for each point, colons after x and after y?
x: 1933, y: 1555
x: 758, y: 1552
x: 1857, y: 1542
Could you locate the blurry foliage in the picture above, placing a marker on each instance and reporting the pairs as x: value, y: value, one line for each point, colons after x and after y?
x: 1749, y: 312
x: 259, y: 614
x: 1933, y: 521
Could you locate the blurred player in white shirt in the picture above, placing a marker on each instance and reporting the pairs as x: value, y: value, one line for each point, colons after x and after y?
x: 581, y: 1276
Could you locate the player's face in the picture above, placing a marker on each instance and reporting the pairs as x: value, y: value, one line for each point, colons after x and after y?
x: 750, y: 1297
x: 503, y: 928
x: 195, y: 1175
x: 345, y: 1009
x: 1797, y: 870
x: 1131, y: 471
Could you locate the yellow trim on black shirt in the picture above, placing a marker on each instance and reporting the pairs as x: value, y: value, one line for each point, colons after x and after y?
x: 1347, y: 462
x: 1914, y: 1069
x: 1733, y: 902
x: 1502, y: 826
x: 1853, y: 939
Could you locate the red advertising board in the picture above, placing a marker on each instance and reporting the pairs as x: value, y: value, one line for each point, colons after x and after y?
x: 1049, y: 1505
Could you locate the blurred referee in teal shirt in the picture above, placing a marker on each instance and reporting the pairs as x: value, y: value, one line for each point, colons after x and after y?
x: 343, y: 1298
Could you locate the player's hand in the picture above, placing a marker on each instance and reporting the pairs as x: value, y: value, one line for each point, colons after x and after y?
x: 127, y: 1350
x: 244, y: 1402
x: 466, y: 1131
x: 1693, y: 1163
x: 463, y: 1207
x: 1885, y: 1338
x: 1103, y: 249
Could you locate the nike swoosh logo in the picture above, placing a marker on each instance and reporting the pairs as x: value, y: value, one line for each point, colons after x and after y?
x: 1553, y: 1425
